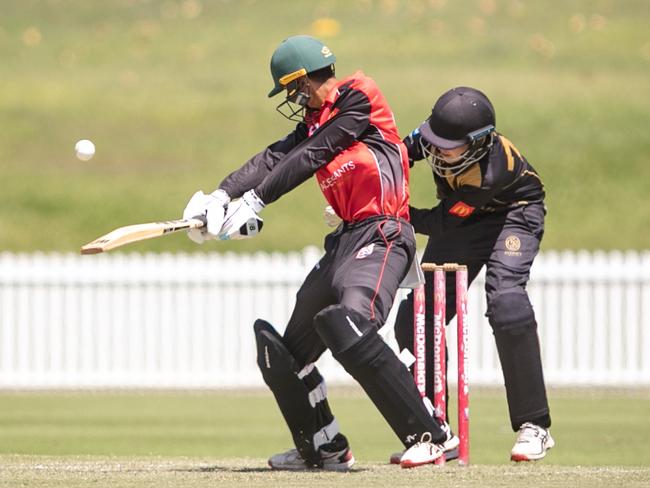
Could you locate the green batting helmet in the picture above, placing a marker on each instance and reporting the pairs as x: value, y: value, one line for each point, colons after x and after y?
x: 296, y: 57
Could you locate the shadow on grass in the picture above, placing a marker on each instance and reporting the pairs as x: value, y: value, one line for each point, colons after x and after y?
x: 232, y: 469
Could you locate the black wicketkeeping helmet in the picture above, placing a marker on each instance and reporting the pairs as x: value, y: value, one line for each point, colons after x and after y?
x: 461, y: 116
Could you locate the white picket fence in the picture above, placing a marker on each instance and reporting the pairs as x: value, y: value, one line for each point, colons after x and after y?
x: 185, y: 321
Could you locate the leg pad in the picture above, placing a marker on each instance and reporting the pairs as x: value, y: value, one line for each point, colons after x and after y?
x: 515, y: 332
x: 299, y: 392
x: 354, y: 342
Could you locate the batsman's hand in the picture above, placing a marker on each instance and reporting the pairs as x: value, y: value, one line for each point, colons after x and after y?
x: 213, y: 208
x: 331, y: 219
x: 242, y: 221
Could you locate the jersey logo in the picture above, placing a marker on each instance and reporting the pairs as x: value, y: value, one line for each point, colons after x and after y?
x: 336, y: 174
x: 461, y: 209
x: 364, y: 252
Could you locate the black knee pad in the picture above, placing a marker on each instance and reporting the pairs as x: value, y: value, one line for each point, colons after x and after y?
x: 273, y: 358
x: 342, y: 329
x: 511, y: 311
x: 277, y: 364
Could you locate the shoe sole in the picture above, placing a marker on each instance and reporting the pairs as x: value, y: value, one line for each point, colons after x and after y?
x: 408, y: 465
x: 342, y: 464
x: 451, y: 454
x: 450, y: 451
x: 290, y: 468
x: 518, y: 458
x: 413, y: 465
x: 346, y: 466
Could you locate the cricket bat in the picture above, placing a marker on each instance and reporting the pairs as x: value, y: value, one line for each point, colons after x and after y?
x: 139, y: 232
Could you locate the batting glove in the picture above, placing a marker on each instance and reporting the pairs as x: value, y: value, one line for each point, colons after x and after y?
x: 212, y: 208
x: 242, y: 221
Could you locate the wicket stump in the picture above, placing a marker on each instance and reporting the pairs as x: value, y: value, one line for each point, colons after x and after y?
x: 439, y: 348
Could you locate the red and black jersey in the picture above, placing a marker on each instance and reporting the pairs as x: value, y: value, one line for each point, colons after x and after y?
x: 352, y: 146
x: 503, y: 179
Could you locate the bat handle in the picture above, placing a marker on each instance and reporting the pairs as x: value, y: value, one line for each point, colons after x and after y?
x: 203, y: 219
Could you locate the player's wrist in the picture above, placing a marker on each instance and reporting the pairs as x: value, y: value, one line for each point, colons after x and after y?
x: 221, y: 196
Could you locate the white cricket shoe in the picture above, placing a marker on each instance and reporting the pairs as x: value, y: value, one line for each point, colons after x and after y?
x: 335, y: 456
x: 532, y: 443
x: 424, y: 452
x: 449, y: 447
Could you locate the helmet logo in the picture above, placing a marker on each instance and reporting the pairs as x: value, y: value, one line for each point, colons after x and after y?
x: 325, y: 51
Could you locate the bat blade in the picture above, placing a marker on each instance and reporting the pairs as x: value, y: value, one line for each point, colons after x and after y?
x: 139, y: 232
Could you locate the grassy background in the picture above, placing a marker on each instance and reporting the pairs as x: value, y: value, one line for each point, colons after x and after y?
x: 591, y: 427
x: 173, y: 93
x: 223, y: 438
x: 116, y: 472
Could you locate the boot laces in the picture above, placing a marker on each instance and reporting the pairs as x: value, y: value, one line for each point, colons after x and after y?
x: 529, y: 432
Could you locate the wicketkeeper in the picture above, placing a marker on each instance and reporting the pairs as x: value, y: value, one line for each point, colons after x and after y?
x: 491, y: 213
x: 345, y: 136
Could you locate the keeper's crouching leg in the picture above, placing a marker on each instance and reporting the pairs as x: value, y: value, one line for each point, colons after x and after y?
x: 299, y: 391
x: 515, y: 332
x: 354, y: 342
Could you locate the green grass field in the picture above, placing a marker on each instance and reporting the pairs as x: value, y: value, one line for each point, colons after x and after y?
x: 223, y: 439
x: 173, y: 93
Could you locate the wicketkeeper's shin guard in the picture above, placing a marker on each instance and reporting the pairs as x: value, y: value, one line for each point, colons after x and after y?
x: 515, y: 334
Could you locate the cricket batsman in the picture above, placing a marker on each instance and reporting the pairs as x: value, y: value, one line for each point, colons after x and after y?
x: 346, y: 137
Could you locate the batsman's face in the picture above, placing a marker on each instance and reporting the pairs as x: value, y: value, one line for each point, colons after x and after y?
x: 298, y: 91
x: 296, y: 99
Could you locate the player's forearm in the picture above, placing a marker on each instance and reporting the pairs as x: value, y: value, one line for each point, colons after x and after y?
x: 302, y: 162
x: 426, y: 221
x: 253, y: 172
x: 434, y: 221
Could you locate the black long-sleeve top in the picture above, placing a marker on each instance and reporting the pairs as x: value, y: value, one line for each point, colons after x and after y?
x: 501, y: 180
